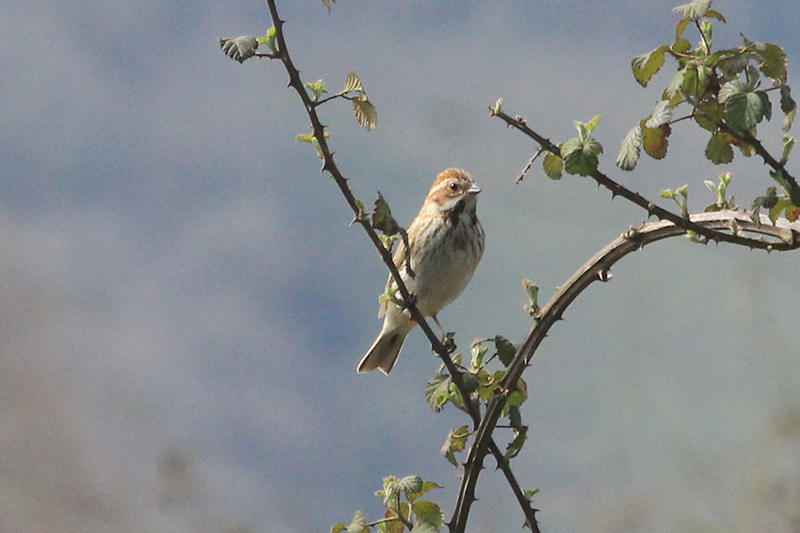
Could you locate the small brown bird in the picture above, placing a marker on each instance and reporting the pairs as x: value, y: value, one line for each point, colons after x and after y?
x: 446, y: 241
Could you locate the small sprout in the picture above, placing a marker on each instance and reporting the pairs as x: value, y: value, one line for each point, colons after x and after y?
x: 317, y: 89
x: 532, y: 290
x: 632, y: 232
x: 498, y: 107
x: 240, y: 48
x: 269, y: 39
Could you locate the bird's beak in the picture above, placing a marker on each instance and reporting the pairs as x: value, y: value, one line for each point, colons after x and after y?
x: 473, y: 189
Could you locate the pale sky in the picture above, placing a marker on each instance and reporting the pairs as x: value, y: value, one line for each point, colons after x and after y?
x: 179, y: 278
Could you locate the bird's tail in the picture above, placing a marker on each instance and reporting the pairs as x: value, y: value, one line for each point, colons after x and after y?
x: 384, y: 351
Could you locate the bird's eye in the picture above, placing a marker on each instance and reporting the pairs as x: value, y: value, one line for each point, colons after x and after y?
x: 454, y: 187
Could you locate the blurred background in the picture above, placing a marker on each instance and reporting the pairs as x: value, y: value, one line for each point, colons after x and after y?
x: 182, y: 302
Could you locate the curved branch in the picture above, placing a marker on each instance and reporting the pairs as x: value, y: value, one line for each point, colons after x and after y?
x: 596, y: 269
x: 651, y: 208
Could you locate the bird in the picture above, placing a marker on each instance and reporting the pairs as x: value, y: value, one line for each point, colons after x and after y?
x: 446, y: 242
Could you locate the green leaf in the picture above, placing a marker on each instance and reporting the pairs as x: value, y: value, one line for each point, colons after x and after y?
x: 773, y: 62
x: 631, y: 149
x: 788, y: 106
x: 426, y: 487
x: 693, y: 10
x: 668, y: 193
x: 661, y: 115
x: 553, y: 165
x: 681, y: 46
x: 505, y: 350
x: 655, y: 141
x: 353, y: 83
x: 647, y: 65
x: 437, y: 391
x: 718, y: 151
x: 786, y: 206
x: 456, y: 442
x: 517, y: 397
x: 429, y: 513
x: 382, y: 219
x: 745, y: 110
x: 681, y: 28
x: 581, y: 157
x: 515, y: 446
x: 714, y: 14
x: 365, y: 112
x: 515, y: 417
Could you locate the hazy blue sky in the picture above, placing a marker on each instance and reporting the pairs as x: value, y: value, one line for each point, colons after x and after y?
x: 179, y: 278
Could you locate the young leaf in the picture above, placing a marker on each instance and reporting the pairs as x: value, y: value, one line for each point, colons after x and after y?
x: 353, y: 83
x: 580, y: 157
x: 382, y: 219
x: 269, y: 39
x: 631, y: 149
x: 515, y: 446
x: 788, y: 144
x: 718, y: 151
x: 647, y: 65
x: 477, y: 351
x: 456, y: 442
x: 359, y: 524
x: 240, y: 48
x: 365, y: 112
x: 505, y: 350
x: 673, y: 89
x: 426, y: 487
x: 437, y: 391
x: 661, y: 115
x: 656, y: 141
x: 410, y: 484
x: 429, y: 513
x: 553, y: 165
x: 693, y: 10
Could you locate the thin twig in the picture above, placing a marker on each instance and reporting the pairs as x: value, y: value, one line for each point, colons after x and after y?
x: 651, y: 208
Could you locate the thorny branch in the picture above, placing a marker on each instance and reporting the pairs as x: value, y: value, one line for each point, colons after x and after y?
x: 597, y: 269
x: 329, y: 165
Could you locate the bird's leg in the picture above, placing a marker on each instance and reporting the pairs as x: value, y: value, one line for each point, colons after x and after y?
x: 447, y: 337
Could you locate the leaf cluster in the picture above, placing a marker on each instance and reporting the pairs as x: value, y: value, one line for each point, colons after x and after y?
x: 723, y: 92
x: 404, y: 509
x: 482, y: 377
